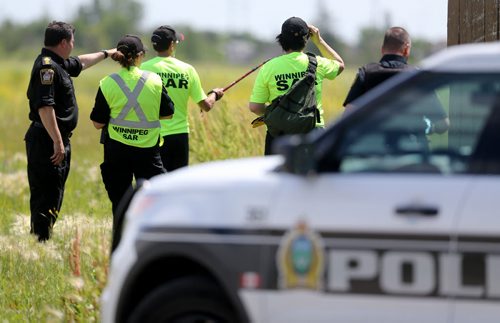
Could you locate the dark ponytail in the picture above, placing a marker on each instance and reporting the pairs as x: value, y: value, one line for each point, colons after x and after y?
x: 125, y: 58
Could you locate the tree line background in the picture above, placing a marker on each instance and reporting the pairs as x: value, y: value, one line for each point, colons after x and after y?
x: 102, y: 23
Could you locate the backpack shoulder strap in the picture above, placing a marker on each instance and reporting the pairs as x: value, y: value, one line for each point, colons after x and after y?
x: 313, y: 63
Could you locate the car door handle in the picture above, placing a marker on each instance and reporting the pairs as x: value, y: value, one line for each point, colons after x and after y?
x: 416, y: 209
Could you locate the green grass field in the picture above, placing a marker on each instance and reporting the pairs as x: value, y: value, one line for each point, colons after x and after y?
x: 61, y: 280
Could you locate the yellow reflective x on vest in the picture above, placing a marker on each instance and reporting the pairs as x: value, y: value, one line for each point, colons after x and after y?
x: 138, y: 131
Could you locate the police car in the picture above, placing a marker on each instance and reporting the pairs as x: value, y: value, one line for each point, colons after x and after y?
x: 364, y: 222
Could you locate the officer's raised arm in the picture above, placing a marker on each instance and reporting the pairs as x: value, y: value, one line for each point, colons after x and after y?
x: 91, y: 59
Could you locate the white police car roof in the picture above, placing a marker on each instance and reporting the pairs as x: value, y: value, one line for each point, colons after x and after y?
x: 478, y: 57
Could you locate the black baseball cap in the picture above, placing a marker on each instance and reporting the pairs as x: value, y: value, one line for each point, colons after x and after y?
x: 294, y: 27
x: 163, y: 36
x: 130, y: 44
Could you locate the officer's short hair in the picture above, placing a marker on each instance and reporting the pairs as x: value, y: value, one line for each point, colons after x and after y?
x: 56, y: 31
x: 396, y: 38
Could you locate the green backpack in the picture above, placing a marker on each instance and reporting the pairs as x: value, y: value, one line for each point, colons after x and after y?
x: 295, y: 111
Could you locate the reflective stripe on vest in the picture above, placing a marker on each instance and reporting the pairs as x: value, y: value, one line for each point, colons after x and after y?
x: 133, y: 103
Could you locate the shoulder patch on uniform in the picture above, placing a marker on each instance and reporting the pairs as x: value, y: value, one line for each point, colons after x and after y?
x: 47, y: 76
x: 46, y: 60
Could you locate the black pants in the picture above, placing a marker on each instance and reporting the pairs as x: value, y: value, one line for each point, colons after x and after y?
x: 46, y: 181
x: 122, y: 163
x: 268, y: 148
x: 175, y: 151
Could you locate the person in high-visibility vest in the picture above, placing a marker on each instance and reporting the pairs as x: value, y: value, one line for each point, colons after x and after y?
x: 278, y: 75
x: 183, y: 82
x: 130, y: 104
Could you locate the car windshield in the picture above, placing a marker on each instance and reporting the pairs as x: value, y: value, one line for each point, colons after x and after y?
x: 434, y: 123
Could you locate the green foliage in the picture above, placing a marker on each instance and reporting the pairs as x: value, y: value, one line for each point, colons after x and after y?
x: 101, y: 23
x: 199, y: 45
x: 20, y: 38
x: 370, y: 42
x: 325, y: 23
x: 421, y: 48
x: 104, y: 22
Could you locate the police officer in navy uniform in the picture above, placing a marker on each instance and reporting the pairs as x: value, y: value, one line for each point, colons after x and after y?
x: 54, y: 115
x: 129, y: 105
x: 395, y: 52
x: 396, y: 49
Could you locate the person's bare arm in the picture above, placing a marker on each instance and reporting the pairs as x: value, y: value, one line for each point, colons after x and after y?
x: 91, y: 59
x: 257, y: 108
x: 48, y: 117
x: 98, y: 125
x: 325, y: 49
x: 214, y: 95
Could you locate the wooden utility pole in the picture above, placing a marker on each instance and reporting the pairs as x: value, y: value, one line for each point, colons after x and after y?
x: 473, y: 21
x: 469, y: 21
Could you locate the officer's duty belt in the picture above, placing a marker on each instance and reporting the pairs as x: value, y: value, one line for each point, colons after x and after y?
x: 37, y: 124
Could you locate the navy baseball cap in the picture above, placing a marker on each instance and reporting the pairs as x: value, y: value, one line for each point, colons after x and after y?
x: 163, y: 36
x: 294, y: 27
x: 130, y: 44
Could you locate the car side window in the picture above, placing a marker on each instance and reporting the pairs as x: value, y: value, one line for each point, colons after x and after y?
x: 407, y: 131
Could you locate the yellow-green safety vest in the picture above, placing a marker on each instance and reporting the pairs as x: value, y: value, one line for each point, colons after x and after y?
x: 135, y: 114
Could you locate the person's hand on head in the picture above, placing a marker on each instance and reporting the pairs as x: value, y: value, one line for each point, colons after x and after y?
x: 314, y: 33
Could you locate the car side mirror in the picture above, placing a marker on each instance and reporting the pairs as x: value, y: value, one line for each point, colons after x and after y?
x: 298, y: 152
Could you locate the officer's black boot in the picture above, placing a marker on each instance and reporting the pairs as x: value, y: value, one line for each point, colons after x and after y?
x: 42, y: 226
